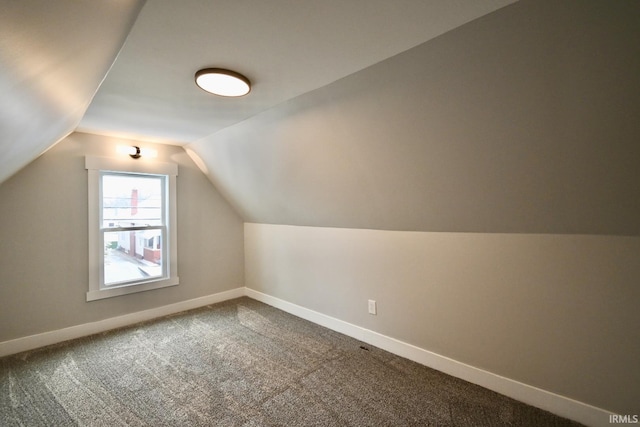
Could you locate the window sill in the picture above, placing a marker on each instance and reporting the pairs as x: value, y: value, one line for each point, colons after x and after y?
x: 131, y: 289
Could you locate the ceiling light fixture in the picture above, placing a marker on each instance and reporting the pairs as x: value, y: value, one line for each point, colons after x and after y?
x: 223, y: 82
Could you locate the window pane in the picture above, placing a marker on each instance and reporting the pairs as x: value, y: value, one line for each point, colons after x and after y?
x: 131, y: 200
x: 132, y: 255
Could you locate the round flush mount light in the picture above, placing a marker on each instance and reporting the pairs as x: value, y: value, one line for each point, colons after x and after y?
x: 223, y: 82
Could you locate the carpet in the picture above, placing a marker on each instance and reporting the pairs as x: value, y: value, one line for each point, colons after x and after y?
x: 240, y: 363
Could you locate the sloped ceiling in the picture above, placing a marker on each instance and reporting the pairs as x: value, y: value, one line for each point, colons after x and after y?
x: 285, y: 47
x: 430, y: 115
x: 522, y: 121
x: 53, y: 56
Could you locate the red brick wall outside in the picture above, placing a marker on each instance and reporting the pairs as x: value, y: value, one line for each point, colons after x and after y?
x: 152, y: 255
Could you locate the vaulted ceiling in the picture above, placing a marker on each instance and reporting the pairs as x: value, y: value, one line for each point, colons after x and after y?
x: 65, y: 64
x: 426, y: 115
x: 53, y: 56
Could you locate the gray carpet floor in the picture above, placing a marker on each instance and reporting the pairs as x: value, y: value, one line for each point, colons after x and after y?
x: 240, y: 363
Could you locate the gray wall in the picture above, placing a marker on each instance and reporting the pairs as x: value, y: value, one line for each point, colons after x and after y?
x: 43, y: 241
x: 521, y: 122
x: 557, y: 312
x: 524, y: 121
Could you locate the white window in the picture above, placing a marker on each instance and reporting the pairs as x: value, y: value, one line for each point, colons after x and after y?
x: 132, y: 226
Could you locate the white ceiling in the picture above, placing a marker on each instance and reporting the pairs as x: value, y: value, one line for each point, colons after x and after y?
x: 285, y: 47
x: 55, y: 55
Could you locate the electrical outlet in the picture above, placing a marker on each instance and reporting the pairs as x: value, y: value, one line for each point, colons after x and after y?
x: 372, y: 307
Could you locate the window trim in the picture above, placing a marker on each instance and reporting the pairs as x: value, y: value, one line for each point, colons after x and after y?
x: 96, y: 165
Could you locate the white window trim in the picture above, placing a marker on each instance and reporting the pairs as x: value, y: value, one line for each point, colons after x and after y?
x: 96, y: 253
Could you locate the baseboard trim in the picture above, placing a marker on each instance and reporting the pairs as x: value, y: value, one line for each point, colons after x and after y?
x: 53, y: 337
x: 554, y: 403
x: 548, y: 401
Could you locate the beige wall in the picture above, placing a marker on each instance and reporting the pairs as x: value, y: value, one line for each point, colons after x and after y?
x: 557, y: 312
x: 515, y: 138
x: 43, y: 241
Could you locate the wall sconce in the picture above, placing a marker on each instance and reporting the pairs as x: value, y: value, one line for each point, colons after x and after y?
x: 136, y: 152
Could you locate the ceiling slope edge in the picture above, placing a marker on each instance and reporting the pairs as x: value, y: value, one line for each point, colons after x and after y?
x: 53, y: 56
x: 198, y: 152
x: 371, y: 151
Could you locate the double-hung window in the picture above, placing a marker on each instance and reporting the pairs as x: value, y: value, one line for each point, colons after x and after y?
x: 132, y: 226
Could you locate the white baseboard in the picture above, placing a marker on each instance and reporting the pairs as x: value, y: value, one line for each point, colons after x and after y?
x: 548, y: 401
x: 53, y: 337
x: 554, y: 403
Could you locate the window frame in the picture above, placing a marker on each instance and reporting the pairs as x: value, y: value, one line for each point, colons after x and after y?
x: 96, y: 167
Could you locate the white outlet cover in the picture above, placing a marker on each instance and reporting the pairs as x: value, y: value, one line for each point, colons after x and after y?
x: 372, y: 307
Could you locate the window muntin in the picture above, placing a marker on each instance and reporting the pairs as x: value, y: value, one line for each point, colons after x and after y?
x: 133, y: 219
